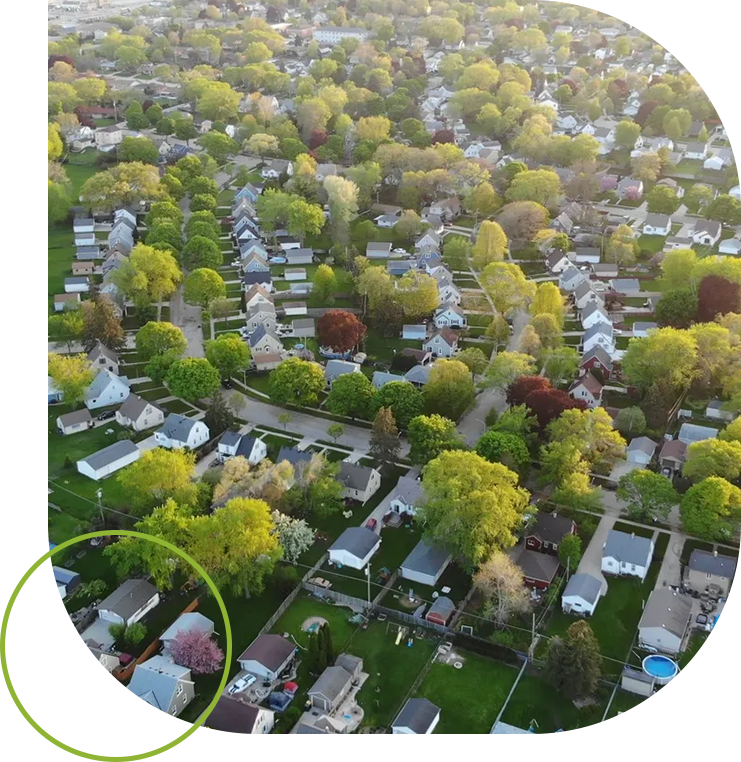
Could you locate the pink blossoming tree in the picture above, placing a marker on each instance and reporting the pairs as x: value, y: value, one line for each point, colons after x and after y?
x: 196, y: 650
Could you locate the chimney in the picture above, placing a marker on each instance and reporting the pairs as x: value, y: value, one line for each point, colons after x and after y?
x: 632, y: 535
x: 715, y: 553
x: 554, y: 514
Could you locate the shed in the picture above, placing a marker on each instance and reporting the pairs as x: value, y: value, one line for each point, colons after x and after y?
x: 425, y: 564
x: 109, y: 460
x: 441, y: 611
x: 354, y: 547
x: 67, y: 581
x: 581, y: 595
x: 129, y: 602
x: 418, y: 716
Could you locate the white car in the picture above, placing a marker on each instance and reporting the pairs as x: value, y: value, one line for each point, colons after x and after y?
x: 242, y: 684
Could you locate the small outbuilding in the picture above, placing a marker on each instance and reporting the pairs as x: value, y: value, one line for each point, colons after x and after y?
x: 425, y: 564
x: 581, y: 595
x: 354, y: 547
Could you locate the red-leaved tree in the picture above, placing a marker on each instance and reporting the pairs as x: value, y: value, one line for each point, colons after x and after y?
x: 318, y: 138
x: 340, y: 330
x: 717, y: 296
x: 521, y: 387
x: 443, y: 136
x: 548, y: 404
x: 196, y: 650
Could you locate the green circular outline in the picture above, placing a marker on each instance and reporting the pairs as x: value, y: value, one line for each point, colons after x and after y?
x: 127, y: 533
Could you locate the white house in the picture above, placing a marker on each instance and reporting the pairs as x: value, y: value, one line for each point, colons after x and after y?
x: 594, y: 313
x: 425, y: 564
x: 232, y: 443
x: 707, y: 232
x: 333, y: 35
x: 267, y: 656
x: 336, y: 368
x: 74, y: 422
x: 450, y: 316
x: 641, y: 450
x: 696, y: 150
x: 129, y: 602
x: 444, y: 343
x: 165, y: 685
x: 180, y: 432
x: 354, y: 547
x: 581, y: 595
x: 588, y: 389
x: 106, y: 138
x: 418, y: 716
x: 657, y: 224
x: 256, y: 295
x: 627, y: 554
x: 584, y: 295
x: 570, y: 278
x: 665, y: 621
x: 106, y: 389
x: 714, y: 162
x: 139, y: 414
x: 599, y: 335
x: 405, y: 497
x: 109, y: 460
x: 262, y: 314
x: 264, y: 341
x: 359, y: 482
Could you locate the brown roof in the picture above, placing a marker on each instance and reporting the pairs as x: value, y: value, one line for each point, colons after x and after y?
x: 674, y: 449
x: 269, y: 650
x: 66, y: 298
x: 550, y: 527
x: 535, y: 565
x: 232, y: 715
x: 590, y: 383
x: 265, y: 357
x: 450, y: 336
x: 257, y: 289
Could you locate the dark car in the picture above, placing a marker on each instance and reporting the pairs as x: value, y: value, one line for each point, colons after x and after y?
x: 106, y: 415
x: 226, y: 383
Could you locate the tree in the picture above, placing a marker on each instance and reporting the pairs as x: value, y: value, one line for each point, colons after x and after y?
x: 627, y: 133
x: 507, y: 287
x: 542, y: 186
x: 124, y: 185
x: 165, y: 234
x: 474, y: 359
x: 295, y: 536
x: 508, y: 449
x: 662, y: 200
x: 521, y: 388
x: 384, y: 441
x: 312, y: 114
x: 296, y: 382
x: 449, y: 388
x: 560, y: 363
x: 418, y: 294
x: 150, y: 275
x: 725, y: 209
x: 342, y: 199
x: 575, y: 491
x: 351, y: 395
x: 500, y: 582
x: 648, y: 495
x: 157, y: 338
x: 304, y: 218
x: 71, y: 375
x: 573, y: 663
x: 646, y: 167
x: 403, y: 399
x: 192, y: 378
x: 677, y: 267
x: 409, y: 225
x: 202, y: 286
x: 164, y: 211
x: 716, y: 296
x: 203, y: 202
x: 523, y: 219
x: 507, y: 367
x: 490, y: 246
x: 154, y: 113
x: 732, y: 432
x: 335, y: 430
x: 482, y: 200
x: 677, y: 308
x: 135, y: 119
x: 711, y: 509
x: 325, y: 283
x: 138, y: 149
x: 201, y: 252
x: 196, y: 650
x: 547, y: 300
x: 100, y: 323
x: 228, y: 354
x: 56, y: 145
x: 157, y: 476
x: 340, y: 330
x: 66, y: 328
x: 549, y: 404
x: 666, y: 353
x: 713, y: 457
x: 218, y: 416
x: 570, y: 551
x: 471, y: 507
x: 631, y: 421
x: 59, y: 202
x: 429, y: 435
x: 698, y: 197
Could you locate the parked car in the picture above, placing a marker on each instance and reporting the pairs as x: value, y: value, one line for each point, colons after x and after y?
x: 242, y: 684
x: 107, y: 414
x: 226, y: 383
x: 371, y: 524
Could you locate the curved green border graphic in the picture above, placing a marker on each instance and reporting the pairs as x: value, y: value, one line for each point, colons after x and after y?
x: 228, y: 658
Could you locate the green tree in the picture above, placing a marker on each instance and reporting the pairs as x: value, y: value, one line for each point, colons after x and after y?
x: 202, y: 286
x: 711, y: 509
x: 471, y: 507
x: 325, y: 284
x: 201, y: 252
x: 713, y: 457
x: 677, y: 308
x: 648, y: 495
x: 135, y: 119
x: 574, y: 663
x: 576, y: 491
x: 192, y: 378
x: 474, y: 359
x: 665, y: 354
x: 542, y: 186
x: 631, y: 421
x: 138, y: 149
x: 66, y: 328
x: 508, y: 449
x: 677, y: 267
x: 384, y: 441
x: 449, y: 389
x: 724, y: 208
x: 490, y: 246
x: 72, y: 374
x: 507, y: 287
x: 404, y: 400
x: 335, y: 430
x: 352, y: 394
x: 626, y: 134
x: 228, y: 354
x: 296, y: 382
x: 59, y: 202
x: 508, y: 367
x: 159, y: 338
x: 570, y: 551
x: 157, y: 476
x: 662, y: 200
x: 430, y: 435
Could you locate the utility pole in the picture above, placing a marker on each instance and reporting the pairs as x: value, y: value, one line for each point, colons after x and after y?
x: 99, y: 495
x: 367, y: 574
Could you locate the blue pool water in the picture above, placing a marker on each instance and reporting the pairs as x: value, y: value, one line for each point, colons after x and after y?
x: 660, y: 667
x: 313, y: 627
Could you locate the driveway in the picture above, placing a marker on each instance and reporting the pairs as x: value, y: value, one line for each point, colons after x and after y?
x: 670, y: 572
x: 591, y: 561
x: 188, y: 319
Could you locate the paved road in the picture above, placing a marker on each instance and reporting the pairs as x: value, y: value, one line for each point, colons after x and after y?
x: 591, y: 561
x: 188, y: 319
x: 671, y: 566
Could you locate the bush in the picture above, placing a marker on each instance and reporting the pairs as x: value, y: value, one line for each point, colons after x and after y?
x: 491, y: 417
x: 285, y: 579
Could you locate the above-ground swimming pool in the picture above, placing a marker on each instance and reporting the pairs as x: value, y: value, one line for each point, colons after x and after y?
x: 662, y: 668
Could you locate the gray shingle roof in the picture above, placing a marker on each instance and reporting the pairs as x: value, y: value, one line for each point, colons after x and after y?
x: 355, y: 476
x: 293, y: 456
x: 231, y: 715
x: 630, y: 550
x: 269, y: 650
x: 692, y: 432
x: 177, y: 427
x: 76, y: 416
x: 128, y: 597
x: 134, y: 406
x: 336, y: 368
x: 186, y: 622
x: 110, y: 454
x: 356, y: 540
x: 585, y: 586
x: 407, y: 489
x: 156, y: 680
x: 419, y: 374
x: 418, y: 714
x: 331, y: 684
x: 707, y: 563
x: 426, y: 559
x: 668, y: 610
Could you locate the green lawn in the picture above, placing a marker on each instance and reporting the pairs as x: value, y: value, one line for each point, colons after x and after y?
x: 623, y: 701
x: 453, y: 577
x: 534, y: 701
x: 469, y: 698
x: 650, y: 244
x: 380, y: 348
x: 61, y: 253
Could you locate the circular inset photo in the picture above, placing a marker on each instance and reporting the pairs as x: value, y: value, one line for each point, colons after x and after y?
x: 141, y: 638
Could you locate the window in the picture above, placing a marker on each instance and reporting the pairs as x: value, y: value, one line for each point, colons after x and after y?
x: 708, y: 575
x: 179, y: 690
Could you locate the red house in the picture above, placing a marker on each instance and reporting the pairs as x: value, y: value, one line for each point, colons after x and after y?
x: 597, y: 359
x: 546, y: 534
x: 538, y: 569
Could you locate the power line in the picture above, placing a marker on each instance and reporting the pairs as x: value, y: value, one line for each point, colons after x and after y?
x: 88, y: 500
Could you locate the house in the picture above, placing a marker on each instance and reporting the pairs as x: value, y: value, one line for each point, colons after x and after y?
x: 596, y: 359
x: 731, y: 246
x: 180, y: 432
x: 450, y: 316
x: 709, y: 570
x: 254, y: 263
x: 707, y: 232
x: 414, y: 332
x: 581, y: 595
x: 425, y: 564
x: 332, y: 686
x: 381, y: 378
x: 418, y: 716
x: 67, y: 581
x: 444, y: 343
x: 641, y: 450
x: 627, y: 554
x: 354, y: 547
x: 672, y: 455
x: 54, y: 394
x: 548, y: 531
x: 83, y: 225
x: 66, y: 301
x: 302, y: 329
x: 642, y: 327
x: 129, y: 602
x: 387, y: 220
x: 233, y: 444
x: 378, y: 250
x: 76, y: 285
x: 447, y: 209
x: 234, y: 715
x: 601, y: 335
x: 657, y: 224
x: 587, y: 255
x: 187, y: 622
x: 274, y: 168
x: 594, y: 313
x: 166, y: 686
x: 584, y: 295
x: 336, y: 368
x: 77, y: 420
x: 405, y: 497
x: 262, y: 314
x: 570, y: 278
x: 300, y: 256
x: 264, y: 341
x: 418, y: 376
x: 360, y: 482
x: 106, y: 389
x: 448, y: 293
x: 715, y: 163
x: 428, y: 240
x: 297, y: 458
x: 139, y: 414
x: 692, y: 432
x: 538, y: 569
x: 333, y: 35
x: 109, y: 661
x: 715, y: 411
x: 441, y: 611
x: 108, y: 137
x: 248, y: 248
x: 258, y: 278
x: 696, y: 150
x: 557, y: 261
x: 665, y: 621
x: 268, y: 656
x: 266, y: 361
x: 630, y: 187
x: 109, y: 460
